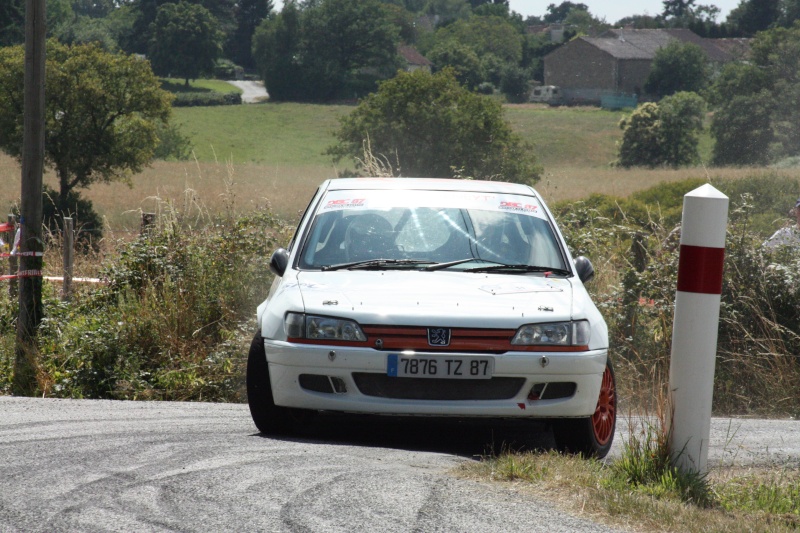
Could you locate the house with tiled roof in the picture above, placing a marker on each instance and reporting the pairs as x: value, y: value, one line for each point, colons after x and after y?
x: 618, y: 62
x: 413, y: 59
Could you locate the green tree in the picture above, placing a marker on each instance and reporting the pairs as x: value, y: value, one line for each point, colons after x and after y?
x: 102, y: 112
x: 461, y: 58
x: 429, y: 125
x: 486, y: 35
x: 664, y: 134
x: 753, y: 16
x: 57, y: 12
x: 336, y: 48
x: 641, y: 143
x: 514, y: 84
x: 185, y: 42
x: 742, y: 131
x: 343, y: 38
x: 449, y: 10
x: 276, y: 51
x: 677, y: 8
x: 85, y: 29
x: 790, y: 12
x: 756, y: 118
x: 93, y: 8
x: 558, y: 13
x: 144, y: 15
x: 681, y: 123
x: 12, y: 22
x: 677, y: 67
x: 742, y: 125
x: 248, y: 15
x: 777, y: 53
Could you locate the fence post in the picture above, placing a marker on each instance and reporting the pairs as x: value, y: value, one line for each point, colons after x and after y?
x: 148, y: 221
x: 69, y: 257
x: 13, y: 289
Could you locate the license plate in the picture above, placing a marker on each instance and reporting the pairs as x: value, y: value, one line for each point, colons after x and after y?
x: 439, y: 366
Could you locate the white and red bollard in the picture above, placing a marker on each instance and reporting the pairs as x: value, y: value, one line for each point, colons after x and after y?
x: 695, y: 326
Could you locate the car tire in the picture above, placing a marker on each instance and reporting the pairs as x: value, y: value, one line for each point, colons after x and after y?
x: 591, y: 436
x: 268, y: 417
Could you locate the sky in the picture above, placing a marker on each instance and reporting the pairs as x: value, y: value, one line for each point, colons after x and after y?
x: 613, y: 10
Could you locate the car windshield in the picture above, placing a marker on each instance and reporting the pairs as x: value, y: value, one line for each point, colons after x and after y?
x: 421, y: 229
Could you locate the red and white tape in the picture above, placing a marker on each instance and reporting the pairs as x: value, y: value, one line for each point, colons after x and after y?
x: 23, y: 274
x: 22, y: 254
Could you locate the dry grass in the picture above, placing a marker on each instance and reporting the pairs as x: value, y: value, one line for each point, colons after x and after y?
x: 574, y: 183
x: 585, y: 488
x: 288, y: 188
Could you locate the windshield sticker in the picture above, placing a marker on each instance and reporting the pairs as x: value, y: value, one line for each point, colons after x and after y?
x: 389, y: 199
x: 344, y: 203
x: 518, y: 207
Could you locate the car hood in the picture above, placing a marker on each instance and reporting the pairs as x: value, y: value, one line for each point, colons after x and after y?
x: 452, y: 299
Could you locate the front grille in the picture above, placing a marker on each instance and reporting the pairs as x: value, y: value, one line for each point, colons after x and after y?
x: 462, y: 340
x: 383, y: 386
x: 397, y: 338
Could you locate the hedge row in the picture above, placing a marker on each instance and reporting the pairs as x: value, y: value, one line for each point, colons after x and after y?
x: 194, y: 99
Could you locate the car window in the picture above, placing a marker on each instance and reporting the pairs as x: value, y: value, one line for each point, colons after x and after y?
x: 425, y: 230
x: 433, y: 226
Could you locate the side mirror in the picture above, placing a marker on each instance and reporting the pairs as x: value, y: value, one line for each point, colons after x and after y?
x: 584, y: 269
x: 279, y: 261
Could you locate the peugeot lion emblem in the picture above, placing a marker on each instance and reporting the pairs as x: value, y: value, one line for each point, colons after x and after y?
x: 439, y: 336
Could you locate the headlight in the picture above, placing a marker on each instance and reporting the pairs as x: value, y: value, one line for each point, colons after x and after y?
x: 300, y: 326
x: 555, y: 333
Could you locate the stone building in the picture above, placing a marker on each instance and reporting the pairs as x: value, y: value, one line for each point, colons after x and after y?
x: 616, y: 63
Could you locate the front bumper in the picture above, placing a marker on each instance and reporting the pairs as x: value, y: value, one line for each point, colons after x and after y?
x: 349, y: 366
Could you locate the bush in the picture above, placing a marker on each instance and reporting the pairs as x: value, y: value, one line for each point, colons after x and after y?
x: 172, y: 143
x: 87, y: 223
x: 485, y: 88
x: 514, y: 84
x: 636, y: 241
x: 430, y: 125
x: 225, y: 69
x: 173, y: 320
x: 207, y: 98
x: 664, y: 134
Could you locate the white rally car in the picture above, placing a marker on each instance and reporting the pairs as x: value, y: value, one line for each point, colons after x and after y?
x: 433, y: 297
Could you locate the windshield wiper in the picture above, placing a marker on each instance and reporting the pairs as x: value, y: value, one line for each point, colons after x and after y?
x: 376, y: 263
x: 519, y: 268
x: 439, y: 266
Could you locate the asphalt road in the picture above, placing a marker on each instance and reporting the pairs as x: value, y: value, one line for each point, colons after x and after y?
x: 252, y: 91
x: 79, y: 465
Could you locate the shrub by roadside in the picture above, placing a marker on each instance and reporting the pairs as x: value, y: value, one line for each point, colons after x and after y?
x: 633, y: 243
x: 172, y: 322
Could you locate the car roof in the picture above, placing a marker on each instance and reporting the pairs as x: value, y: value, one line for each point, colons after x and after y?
x: 429, y: 184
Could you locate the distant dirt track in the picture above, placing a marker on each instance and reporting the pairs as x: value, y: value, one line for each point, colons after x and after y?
x: 82, y: 465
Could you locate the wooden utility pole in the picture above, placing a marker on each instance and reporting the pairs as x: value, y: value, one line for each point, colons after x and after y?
x: 31, y: 245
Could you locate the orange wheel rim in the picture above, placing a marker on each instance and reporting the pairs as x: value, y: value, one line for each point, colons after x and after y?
x: 606, y: 412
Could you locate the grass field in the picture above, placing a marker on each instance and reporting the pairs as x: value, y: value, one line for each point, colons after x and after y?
x: 275, y: 153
